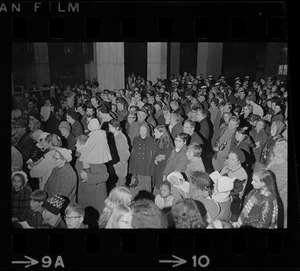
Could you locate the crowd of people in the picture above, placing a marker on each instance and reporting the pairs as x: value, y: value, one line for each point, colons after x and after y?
x: 185, y: 152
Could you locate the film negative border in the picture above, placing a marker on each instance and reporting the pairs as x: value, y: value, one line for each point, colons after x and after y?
x: 147, y: 249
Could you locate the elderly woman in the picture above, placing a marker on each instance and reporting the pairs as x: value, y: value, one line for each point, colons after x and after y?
x: 278, y: 165
x: 92, y: 180
x: 63, y: 179
x: 140, y: 161
x: 260, y: 207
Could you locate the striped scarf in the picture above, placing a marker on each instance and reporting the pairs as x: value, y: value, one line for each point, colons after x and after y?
x: 250, y: 203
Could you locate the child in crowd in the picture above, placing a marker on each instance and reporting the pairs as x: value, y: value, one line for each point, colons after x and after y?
x: 194, y: 159
x: 165, y: 198
x: 35, y: 218
x: 51, y: 213
x: 20, y: 198
x: 179, y: 187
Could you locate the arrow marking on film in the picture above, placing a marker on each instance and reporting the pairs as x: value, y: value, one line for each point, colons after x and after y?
x: 177, y: 262
x: 29, y: 263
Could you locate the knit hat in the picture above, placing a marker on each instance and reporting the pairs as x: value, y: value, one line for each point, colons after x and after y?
x: 21, y: 123
x: 74, y: 115
x: 21, y: 173
x: 67, y: 154
x: 65, y: 125
x: 54, y: 204
x: 225, y: 184
x: 36, y: 134
x: 35, y: 114
x: 94, y: 125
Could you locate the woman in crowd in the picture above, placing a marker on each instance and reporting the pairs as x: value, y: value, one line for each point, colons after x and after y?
x: 20, y: 196
x: 260, y: 207
x: 177, y: 160
x: 92, y: 180
x: 277, y: 128
x: 161, y: 152
x: 278, y: 165
x: 140, y: 160
x: 119, y: 195
x: 259, y: 137
x: 120, y: 218
x: 186, y: 215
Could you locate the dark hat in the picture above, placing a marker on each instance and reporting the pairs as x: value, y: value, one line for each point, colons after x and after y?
x: 74, y: 115
x: 166, y: 108
x: 35, y: 114
x: 239, y: 153
x: 54, y: 204
x: 21, y: 123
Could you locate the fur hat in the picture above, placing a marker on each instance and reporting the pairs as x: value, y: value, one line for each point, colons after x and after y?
x: 94, y: 125
x: 65, y: 125
x: 67, y: 154
x: 21, y: 173
x: 54, y: 204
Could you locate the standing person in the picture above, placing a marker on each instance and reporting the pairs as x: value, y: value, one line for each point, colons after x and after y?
x: 45, y: 110
x: 189, y: 128
x: 55, y: 118
x: 194, y: 159
x: 161, y: 152
x: 140, y: 161
x: 89, y: 114
x: 278, y: 165
x: 222, y: 141
x: 244, y: 117
x: 72, y: 118
x: 259, y: 137
x: 177, y: 160
x: 65, y: 129
x: 23, y: 141
x: 92, y: 180
x: 213, y: 109
x: 134, y: 128
x: 260, y: 208
x: 122, y: 149
x: 175, y: 127
x: 277, y: 127
x: 63, y: 179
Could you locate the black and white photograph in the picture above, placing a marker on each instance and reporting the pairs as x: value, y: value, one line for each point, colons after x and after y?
x: 140, y: 135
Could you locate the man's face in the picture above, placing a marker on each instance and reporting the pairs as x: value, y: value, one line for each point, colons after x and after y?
x: 73, y: 220
x: 34, y: 205
x: 90, y: 112
x: 232, y: 125
x: 151, y: 100
x: 188, y: 129
x: 30, y: 105
x: 141, y: 116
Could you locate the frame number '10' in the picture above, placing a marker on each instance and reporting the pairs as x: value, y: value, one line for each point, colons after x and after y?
x: 202, y: 261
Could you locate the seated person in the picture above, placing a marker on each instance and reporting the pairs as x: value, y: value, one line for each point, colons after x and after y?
x: 51, y: 213
x: 179, y: 187
x: 74, y: 216
x: 20, y: 198
x: 35, y: 218
x: 164, y: 198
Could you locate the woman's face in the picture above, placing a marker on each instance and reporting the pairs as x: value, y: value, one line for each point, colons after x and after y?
x: 257, y: 184
x: 273, y: 129
x: 157, y: 134
x: 17, y: 183
x: 143, y: 131
x: 179, y: 143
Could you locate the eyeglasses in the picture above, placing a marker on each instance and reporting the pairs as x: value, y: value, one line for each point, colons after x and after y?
x: 71, y: 217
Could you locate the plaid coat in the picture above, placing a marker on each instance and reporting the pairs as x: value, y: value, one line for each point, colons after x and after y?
x: 62, y: 181
x: 20, y: 202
